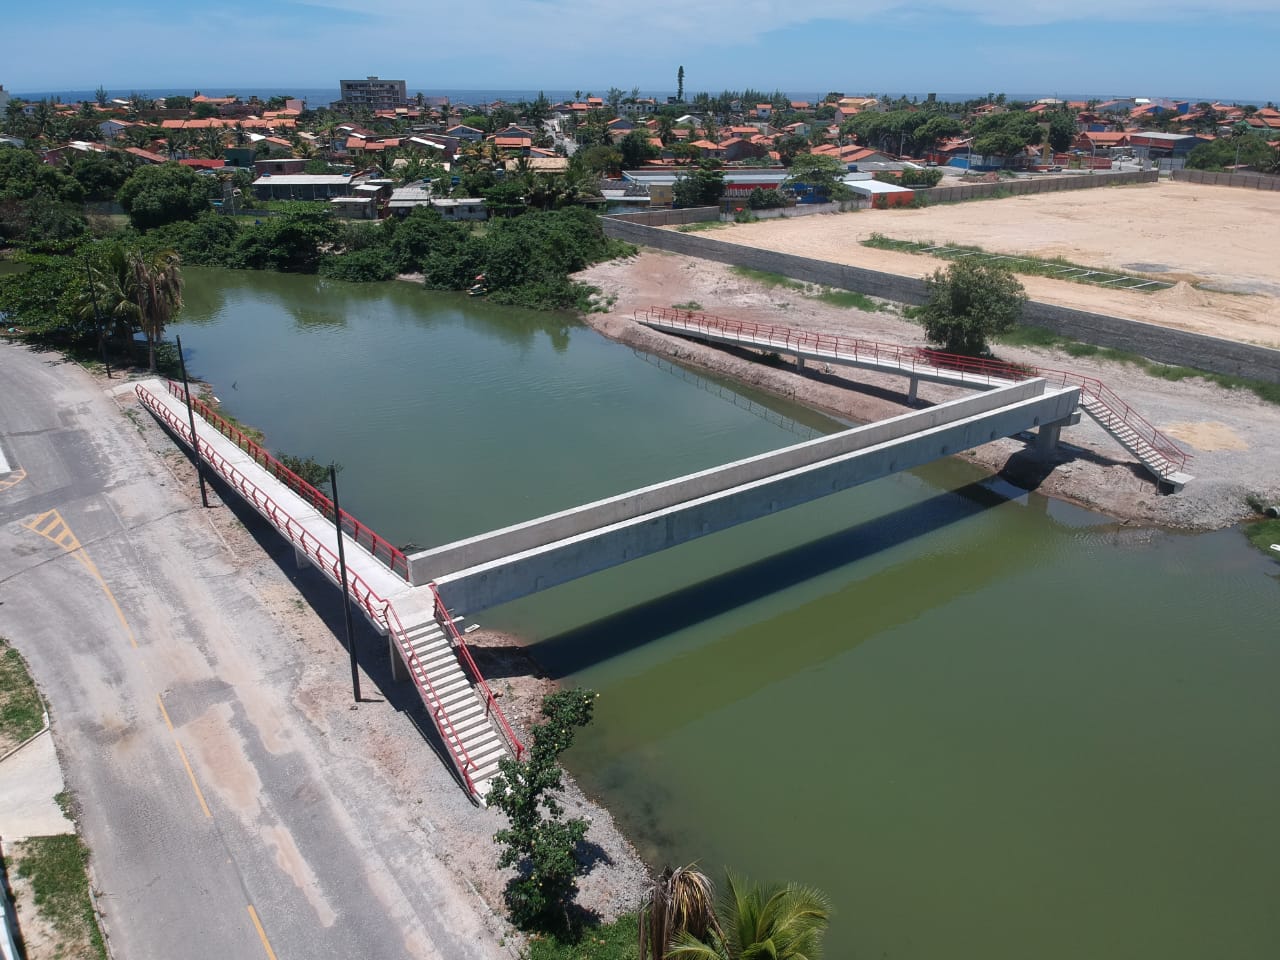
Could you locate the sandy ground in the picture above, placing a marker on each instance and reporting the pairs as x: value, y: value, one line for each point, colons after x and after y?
x: 1231, y: 433
x: 1217, y: 244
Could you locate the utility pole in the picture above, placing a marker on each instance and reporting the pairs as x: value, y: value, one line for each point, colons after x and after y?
x: 191, y: 419
x: 346, y: 593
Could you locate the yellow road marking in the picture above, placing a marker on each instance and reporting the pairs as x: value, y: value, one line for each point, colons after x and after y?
x: 262, y: 934
x: 14, y: 478
x: 52, y: 527
x: 183, y: 754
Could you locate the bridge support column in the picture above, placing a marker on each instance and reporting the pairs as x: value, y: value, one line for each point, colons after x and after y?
x: 799, y: 364
x: 912, y: 391
x: 1048, y: 434
x: 1047, y: 440
x: 300, y: 559
x: 399, y: 672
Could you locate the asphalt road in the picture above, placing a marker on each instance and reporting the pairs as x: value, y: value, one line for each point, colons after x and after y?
x: 221, y: 824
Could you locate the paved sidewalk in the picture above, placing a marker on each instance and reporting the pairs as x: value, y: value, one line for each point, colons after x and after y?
x: 30, y: 778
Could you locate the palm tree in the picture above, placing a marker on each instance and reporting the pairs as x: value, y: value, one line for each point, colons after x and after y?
x: 680, y: 901
x: 136, y: 291
x: 777, y: 922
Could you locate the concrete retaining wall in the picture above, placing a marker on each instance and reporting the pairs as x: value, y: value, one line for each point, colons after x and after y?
x: 1045, y: 184
x: 667, y: 218
x: 1252, y: 181
x: 488, y: 547
x: 510, y: 578
x: 1156, y: 343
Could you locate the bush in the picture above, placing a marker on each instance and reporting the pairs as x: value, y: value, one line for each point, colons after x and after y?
x: 970, y: 302
x: 205, y: 241
x: 160, y: 194
x: 359, y: 266
x: 542, y: 846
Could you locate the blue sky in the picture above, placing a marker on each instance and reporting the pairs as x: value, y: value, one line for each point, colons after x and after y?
x: 1199, y: 48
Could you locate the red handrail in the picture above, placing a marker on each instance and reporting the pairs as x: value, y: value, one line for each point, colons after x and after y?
x: 464, y: 650
x: 378, y: 609
x: 363, y: 535
x: 918, y: 358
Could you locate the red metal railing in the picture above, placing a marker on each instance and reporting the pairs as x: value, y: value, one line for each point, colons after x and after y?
x: 1116, y: 412
x: 379, y: 610
x: 460, y: 644
x: 363, y: 535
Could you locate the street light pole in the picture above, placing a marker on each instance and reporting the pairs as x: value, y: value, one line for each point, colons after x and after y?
x: 191, y: 419
x: 346, y: 592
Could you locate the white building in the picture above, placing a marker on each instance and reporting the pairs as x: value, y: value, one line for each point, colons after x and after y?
x: 374, y: 93
x: 4, y: 98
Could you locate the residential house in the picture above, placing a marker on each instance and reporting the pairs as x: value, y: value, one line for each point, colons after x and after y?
x: 302, y: 186
x: 470, y: 208
x: 639, y: 107
x: 763, y: 111
x: 112, y: 128
x: 279, y: 165
x: 462, y: 132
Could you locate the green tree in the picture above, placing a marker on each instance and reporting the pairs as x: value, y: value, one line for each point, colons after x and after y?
x: 773, y: 922
x: 101, y: 175
x: 823, y: 172
x: 162, y: 193
x: 538, y: 842
x: 1062, y: 130
x: 701, y: 186
x: 970, y: 302
x: 100, y: 96
x: 636, y: 149
x: 680, y: 84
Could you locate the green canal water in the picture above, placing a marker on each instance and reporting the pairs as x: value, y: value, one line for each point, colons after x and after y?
x: 990, y: 725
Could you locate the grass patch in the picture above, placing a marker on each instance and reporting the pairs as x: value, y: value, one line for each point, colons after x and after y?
x: 1027, y: 336
x: 702, y: 225
x: 1056, y: 268
x: 687, y: 305
x: 56, y: 869
x: 852, y: 300
x: 765, y: 278
x: 1262, y: 534
x: 21, y: 712
x: 609, y: 941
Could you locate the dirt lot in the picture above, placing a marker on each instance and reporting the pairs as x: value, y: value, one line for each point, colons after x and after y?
x: 1216, y: 243
x: 1231, y: 433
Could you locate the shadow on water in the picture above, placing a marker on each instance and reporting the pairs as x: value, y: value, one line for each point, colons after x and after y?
x: 576, y: 650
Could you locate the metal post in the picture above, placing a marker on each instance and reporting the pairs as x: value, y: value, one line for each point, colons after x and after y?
x: 346, y: 594
x: 97, y: 316
x: 191, y: 419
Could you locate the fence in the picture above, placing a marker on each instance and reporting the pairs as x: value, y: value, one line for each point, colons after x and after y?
x: 1048, y: 184
x: 1253, y: 181
x: 1162, y: 344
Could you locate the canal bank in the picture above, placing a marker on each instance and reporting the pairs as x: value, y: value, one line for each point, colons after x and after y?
x: 1230, y: 433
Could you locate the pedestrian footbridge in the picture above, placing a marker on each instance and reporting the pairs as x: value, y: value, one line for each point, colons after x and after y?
x: 414, y: 600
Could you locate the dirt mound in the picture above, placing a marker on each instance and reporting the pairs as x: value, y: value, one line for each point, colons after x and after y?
x: 1185, y: 294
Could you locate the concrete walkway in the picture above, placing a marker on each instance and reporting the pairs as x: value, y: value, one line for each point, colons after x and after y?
x: 30, y: 778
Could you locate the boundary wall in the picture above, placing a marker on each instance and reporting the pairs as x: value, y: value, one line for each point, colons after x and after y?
x: 1254, y: 181
x: 1162, y: 344
x: 1046, y: 184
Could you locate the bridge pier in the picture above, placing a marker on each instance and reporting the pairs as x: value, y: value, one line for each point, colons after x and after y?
x: 799, y: 364
x: 300, y: 559
x: 399, y: 672
x: 1048, y: 434
x: 912, y: 391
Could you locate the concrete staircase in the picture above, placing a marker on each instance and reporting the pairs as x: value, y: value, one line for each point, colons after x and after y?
x: 470, y: 735
x: 1151, y: 458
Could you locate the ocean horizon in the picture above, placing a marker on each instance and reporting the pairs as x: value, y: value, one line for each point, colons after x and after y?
x: 316, y: 97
